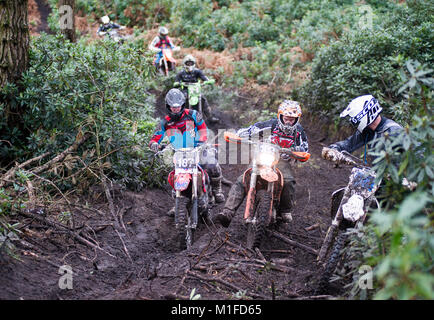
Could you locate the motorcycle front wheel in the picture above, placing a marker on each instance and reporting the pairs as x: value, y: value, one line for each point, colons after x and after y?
x: 256, y: 231
x: 332, y: 261
x: 184, y: 234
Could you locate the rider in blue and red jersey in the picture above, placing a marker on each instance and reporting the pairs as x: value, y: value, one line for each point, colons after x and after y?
x: 185, y: 129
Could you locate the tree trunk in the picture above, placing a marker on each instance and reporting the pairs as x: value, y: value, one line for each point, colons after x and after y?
x: 67, y: 19
x: 14, y: 40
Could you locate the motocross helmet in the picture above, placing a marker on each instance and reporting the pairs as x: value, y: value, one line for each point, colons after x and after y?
x: 288, y: 108
x: 362, y: 111
x: 163, y: 32
x: 189, y: 63
x: 105, y: 19
x: 175, y: 98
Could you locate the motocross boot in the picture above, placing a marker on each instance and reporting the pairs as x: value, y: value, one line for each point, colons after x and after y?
x: 216, y: 184
x: 286, y: 217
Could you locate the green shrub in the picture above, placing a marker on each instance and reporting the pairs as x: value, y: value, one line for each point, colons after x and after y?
x: 365, y: 61
x: 99, y: 88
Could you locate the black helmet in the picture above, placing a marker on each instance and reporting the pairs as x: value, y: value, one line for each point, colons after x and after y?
x: 175, y: 98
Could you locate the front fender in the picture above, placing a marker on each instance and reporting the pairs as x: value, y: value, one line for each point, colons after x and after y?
x: 182, y: 181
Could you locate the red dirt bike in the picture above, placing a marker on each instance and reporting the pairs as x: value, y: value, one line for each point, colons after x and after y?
x: 192, y: 192
x: 349, y: 208
x: 264, y: 183
x: 167, y: 62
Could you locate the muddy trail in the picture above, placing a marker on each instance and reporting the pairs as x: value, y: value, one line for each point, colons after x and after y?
x: 129, y: 251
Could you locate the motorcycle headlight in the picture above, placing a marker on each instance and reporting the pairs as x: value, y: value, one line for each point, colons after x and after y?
x: 266, y: 159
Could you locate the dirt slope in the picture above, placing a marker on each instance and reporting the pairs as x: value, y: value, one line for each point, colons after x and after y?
x: 138, y: 259
x: 141, y: 260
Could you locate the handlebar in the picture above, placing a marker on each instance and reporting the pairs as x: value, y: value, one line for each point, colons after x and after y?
x: 181, y: 83
x: 297, y: 155
x: 341, y: 157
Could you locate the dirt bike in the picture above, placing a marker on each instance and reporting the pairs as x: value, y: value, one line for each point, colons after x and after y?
x: 264, y: 183
x: 192, y: 192
x: 167, y: 62
x: 115, y: 35
x: 194, y: 93
x: 349, y: 208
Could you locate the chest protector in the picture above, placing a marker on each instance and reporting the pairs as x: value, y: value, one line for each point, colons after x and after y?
x: 163, y: 42
x: 281, y: 138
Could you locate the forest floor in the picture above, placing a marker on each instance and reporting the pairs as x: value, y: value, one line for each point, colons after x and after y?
x: 141, y: 259
x: 135, y: 255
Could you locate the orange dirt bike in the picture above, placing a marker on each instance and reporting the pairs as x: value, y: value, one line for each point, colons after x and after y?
x: 167, y: 62
x: 193, y: 194
x: 264, y: 183
x: 349, y: 207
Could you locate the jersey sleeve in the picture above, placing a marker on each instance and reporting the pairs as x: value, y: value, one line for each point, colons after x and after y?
x: 201, y: 127
x: 201, y: 75
x: 152, y: 45
x: 159, y: 133
x: 301, y: 142
x: 350, y: 144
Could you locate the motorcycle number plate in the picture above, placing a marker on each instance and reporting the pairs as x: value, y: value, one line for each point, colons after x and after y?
x: 183, y: 170
x: 182, y: 181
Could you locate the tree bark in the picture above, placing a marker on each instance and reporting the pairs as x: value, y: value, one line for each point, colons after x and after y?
x: 67, y: 19
x: 14, y: 40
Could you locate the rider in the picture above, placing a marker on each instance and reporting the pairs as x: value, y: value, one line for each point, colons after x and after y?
x: 364, y: 113
x: 287, y: 132
x: 191, y: 74
x: 107, y: 25
x: 160, y: 42
x: 186, y: 128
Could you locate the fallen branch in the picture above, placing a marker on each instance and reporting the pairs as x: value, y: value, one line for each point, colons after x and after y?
x: 260, y: 254
x: 227, y: 284
x: 73, y: 234
x: 315, y: 297
x: 5, y: 179
x: 80, y: 139
x: 312, y: 227
x: 292, y: 242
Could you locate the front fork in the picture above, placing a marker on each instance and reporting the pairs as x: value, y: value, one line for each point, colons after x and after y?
x: 250, y: 202
x: 332, y: 229
x: 193, y: 218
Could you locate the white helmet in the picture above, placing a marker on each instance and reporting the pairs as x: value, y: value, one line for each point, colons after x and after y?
x: 105, y: 19
x: 189, y: 63
x: 163, y: 31
x: 363, y: 111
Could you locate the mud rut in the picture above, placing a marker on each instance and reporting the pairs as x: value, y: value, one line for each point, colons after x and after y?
x: 138, y: 259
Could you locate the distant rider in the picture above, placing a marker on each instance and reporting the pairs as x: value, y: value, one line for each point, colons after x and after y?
x: 107, y: 26
x: 186, y: 128
x: 191, y: 74
x: 161, y: 41
x: 287, y: 132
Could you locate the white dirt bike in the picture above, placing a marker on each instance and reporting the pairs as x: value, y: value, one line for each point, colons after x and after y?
x: 349, y: 207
